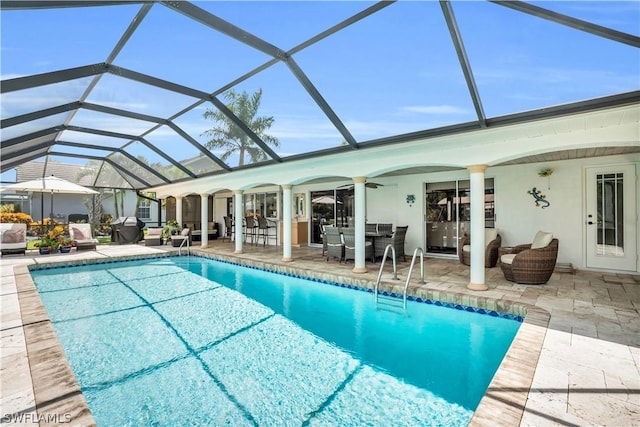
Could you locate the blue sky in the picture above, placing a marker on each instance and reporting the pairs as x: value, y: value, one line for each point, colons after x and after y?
x: 392, y: 73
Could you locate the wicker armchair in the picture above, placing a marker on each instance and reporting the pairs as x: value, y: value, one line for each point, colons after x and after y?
x: 533, y: 263
x: 492, y: 240
x: 335, y: 246
x: 397, y: 240
x: 153, y: 237
x: 349, y: 239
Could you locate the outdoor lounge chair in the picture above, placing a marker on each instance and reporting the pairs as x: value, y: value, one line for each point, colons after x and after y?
x: 13, y: 238
x: 176, y: 241
x: 335, y: 246
x: 153, y: 237
x: 82, y: 236
x: 397, y: 240
x: 532, y: 263
x: 349, y: 239
x: 492, y: 241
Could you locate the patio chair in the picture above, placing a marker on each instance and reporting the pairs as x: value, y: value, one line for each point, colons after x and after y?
x: 335, y: 246
x: 13, y: 238
x: 323, y: 236
x: 385, y: 230
x: 251, y: 230
x: 492, y: 241
x: 82, y: 236
x: 153, y: 237
x: 228, y: 229
x: 532, y: 263
x: 264, y: 230
x: 349, y: 239
x: 185, y: 234
x: 371, y: 228
x: 397, y: 240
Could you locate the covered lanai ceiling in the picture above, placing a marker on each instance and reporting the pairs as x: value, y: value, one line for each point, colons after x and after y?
x: 122, y: 87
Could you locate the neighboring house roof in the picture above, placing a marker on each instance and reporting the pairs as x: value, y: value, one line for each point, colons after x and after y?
x: 70, y: 172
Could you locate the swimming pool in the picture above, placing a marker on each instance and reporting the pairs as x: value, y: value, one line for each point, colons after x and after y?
x: 156, y: 342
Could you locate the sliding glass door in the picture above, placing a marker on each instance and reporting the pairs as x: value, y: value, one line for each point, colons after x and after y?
x: 330, y: 207
x: 449, y: 214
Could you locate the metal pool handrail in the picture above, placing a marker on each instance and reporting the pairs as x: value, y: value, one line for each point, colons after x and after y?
x: 384, y: 260
x: 413, y: 261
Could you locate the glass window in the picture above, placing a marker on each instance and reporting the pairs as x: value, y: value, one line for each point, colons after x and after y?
x: 144, y: 209
x: 261, y: 204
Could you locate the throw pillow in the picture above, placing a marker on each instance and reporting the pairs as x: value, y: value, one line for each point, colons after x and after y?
x: 541, y: 240
x: 78, y: 234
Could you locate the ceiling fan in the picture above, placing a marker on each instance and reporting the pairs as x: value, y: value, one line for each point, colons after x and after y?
x: 366, y: 184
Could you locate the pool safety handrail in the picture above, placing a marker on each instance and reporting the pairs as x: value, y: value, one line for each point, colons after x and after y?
x: 376, y: 288
x: 184, y: 241
x: 413, y: 262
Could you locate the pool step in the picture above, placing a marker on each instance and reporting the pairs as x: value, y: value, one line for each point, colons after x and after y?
x: 390, y: 303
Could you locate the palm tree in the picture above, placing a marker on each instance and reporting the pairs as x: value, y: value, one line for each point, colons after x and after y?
x: 230, y: 138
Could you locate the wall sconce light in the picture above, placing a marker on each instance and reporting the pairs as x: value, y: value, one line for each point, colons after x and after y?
x: 411, y: 199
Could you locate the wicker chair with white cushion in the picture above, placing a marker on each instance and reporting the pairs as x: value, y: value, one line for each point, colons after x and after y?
x: 532, y: 263
x: 153, y: 237
x: 335, y: 245
x: 349, y: 239
x: 492, y: 241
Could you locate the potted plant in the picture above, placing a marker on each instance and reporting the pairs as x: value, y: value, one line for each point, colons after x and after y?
x: 171, y: 229
x: 50, y: 242
x: 65, y: 244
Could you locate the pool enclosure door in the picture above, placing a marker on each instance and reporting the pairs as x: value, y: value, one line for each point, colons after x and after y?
x: 611, y: 228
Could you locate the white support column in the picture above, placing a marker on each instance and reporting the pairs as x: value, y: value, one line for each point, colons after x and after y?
x: 286, y: 222
x: 204, y: 220
x: 476, y: 175
x: 359, y: 219
x: 238, y: 204
x: 179, y: 211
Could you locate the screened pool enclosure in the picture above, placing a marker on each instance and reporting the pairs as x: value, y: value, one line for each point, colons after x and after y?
x: 147, y: 93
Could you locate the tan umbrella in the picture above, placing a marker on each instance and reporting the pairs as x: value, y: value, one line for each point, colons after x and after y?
x: 51, y: 185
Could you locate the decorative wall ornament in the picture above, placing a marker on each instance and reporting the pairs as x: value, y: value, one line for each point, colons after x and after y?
x: 546, y: 173
x: 539, y: 197
x: 411, y: 199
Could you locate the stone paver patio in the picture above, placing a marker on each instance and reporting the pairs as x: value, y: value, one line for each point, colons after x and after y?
x: 575, y: 360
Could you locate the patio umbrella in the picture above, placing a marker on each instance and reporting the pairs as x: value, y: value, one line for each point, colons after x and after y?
x: 327, y: 200
x: 50, y: 184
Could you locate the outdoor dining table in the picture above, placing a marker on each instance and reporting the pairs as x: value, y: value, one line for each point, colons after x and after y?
x: 373, y: 236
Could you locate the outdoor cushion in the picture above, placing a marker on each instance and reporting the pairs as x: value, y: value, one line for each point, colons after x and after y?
x: 13, y: 236
x: 466, y: 248
x: 154, y: 232
x: 541, y: 240
x: 78, y: 234
x: 507, y: 258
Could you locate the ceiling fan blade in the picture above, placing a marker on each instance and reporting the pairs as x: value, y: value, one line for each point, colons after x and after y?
x: 366, y: 184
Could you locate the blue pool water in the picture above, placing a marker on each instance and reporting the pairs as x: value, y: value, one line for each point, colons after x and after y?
x: 191, y: 341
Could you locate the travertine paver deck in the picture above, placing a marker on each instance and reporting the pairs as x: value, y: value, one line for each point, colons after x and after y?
x: 583, y: 369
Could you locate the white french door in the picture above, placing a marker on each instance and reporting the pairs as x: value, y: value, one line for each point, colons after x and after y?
x: 611, y: 222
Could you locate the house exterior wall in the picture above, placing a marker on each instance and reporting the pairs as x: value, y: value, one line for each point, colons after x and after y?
x: 66, y: 204
x: 517, y: 217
